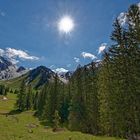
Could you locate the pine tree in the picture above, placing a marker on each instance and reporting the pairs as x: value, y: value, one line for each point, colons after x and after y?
x: 35, y: 100
x: 20, y: 104
x: 64, y: 102
x: 104, y: 91
x: 93, y: 102
x: 28, y: 98
x: 77, y: 108
x: 118, y: 109
x: 3, y: 90
x: 133, y: 35
x: 56, y: 121
x: 41, y: 101
x: 52, y: 100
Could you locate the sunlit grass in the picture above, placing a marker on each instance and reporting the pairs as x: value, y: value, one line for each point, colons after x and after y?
x: 17, y: 126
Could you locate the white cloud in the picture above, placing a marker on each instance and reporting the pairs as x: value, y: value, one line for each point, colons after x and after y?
x: 60, y: 70
x: 10, y: 52
x: 77, y: 60
x: 15, y: 54
x: 122, y: 18
x: 52, y: 66
x: 88, y: 55
x: 102, y: 48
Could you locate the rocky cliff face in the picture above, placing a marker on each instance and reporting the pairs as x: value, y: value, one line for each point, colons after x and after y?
x: 9, y: 70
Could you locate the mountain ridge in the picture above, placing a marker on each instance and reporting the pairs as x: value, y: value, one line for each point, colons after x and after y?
x: 37, y: 77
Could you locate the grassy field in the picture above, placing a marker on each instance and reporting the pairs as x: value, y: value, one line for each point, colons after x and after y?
x: 13, y: 83
x: 25, y: 126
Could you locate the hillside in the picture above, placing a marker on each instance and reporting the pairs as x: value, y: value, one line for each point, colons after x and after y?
x: 36, y: 77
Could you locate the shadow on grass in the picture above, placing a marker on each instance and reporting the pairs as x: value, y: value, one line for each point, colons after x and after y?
x: 43, y: 121
x: 14, y: 112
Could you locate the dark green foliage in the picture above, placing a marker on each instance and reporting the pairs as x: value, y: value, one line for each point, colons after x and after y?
x: 119, y: 80
x: 64, y: 103
x: 52, y: 100
x: 11, y: 91
x: 77, y: 108
x: 35, y: 100
x: 3, y: 90
x: 29, y: 98
x: 16, y: 91
x: 20, y: 104
x: 24, y: 97
x: 56, y: 121
x: 41, y: 100
x: 84, y: 102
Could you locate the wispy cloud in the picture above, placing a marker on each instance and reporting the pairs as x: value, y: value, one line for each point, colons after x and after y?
x: 77, y: 60
x: 88, y: 55
x: 52, y: 66
x: 102, y: 48
x: 15, y: 54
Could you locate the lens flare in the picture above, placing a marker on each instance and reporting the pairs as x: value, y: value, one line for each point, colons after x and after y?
x: 66, y: 24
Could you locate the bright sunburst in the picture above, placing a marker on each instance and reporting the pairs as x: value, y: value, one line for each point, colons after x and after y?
x: 66, y: 24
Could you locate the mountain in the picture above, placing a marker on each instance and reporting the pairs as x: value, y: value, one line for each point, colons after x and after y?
x: 20, y: 69
x: 9, y: 71
x: 40, y: 76
x: 4, y: 63
x: 36, y: 77
x: 64, y: 76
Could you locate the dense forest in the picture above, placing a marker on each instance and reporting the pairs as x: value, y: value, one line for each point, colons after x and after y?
x: 101, y: 98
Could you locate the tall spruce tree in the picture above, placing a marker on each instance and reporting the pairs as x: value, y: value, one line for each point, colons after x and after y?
x: 20, y: 104
x: 41, y: 101
x: 29, y: 98
x: 64, y: 102
x: 52, y: 100
x: 104, y: 91
x: 122, y: 94
x: 77, y: 108
x: 35, y: 100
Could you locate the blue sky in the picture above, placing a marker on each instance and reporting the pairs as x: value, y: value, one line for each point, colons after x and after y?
x: 31, y: 26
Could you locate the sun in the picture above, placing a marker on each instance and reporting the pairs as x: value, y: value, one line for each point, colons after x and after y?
x: 66, y: 24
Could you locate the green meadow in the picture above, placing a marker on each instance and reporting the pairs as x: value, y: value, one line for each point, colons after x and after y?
x: 24, y: 126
